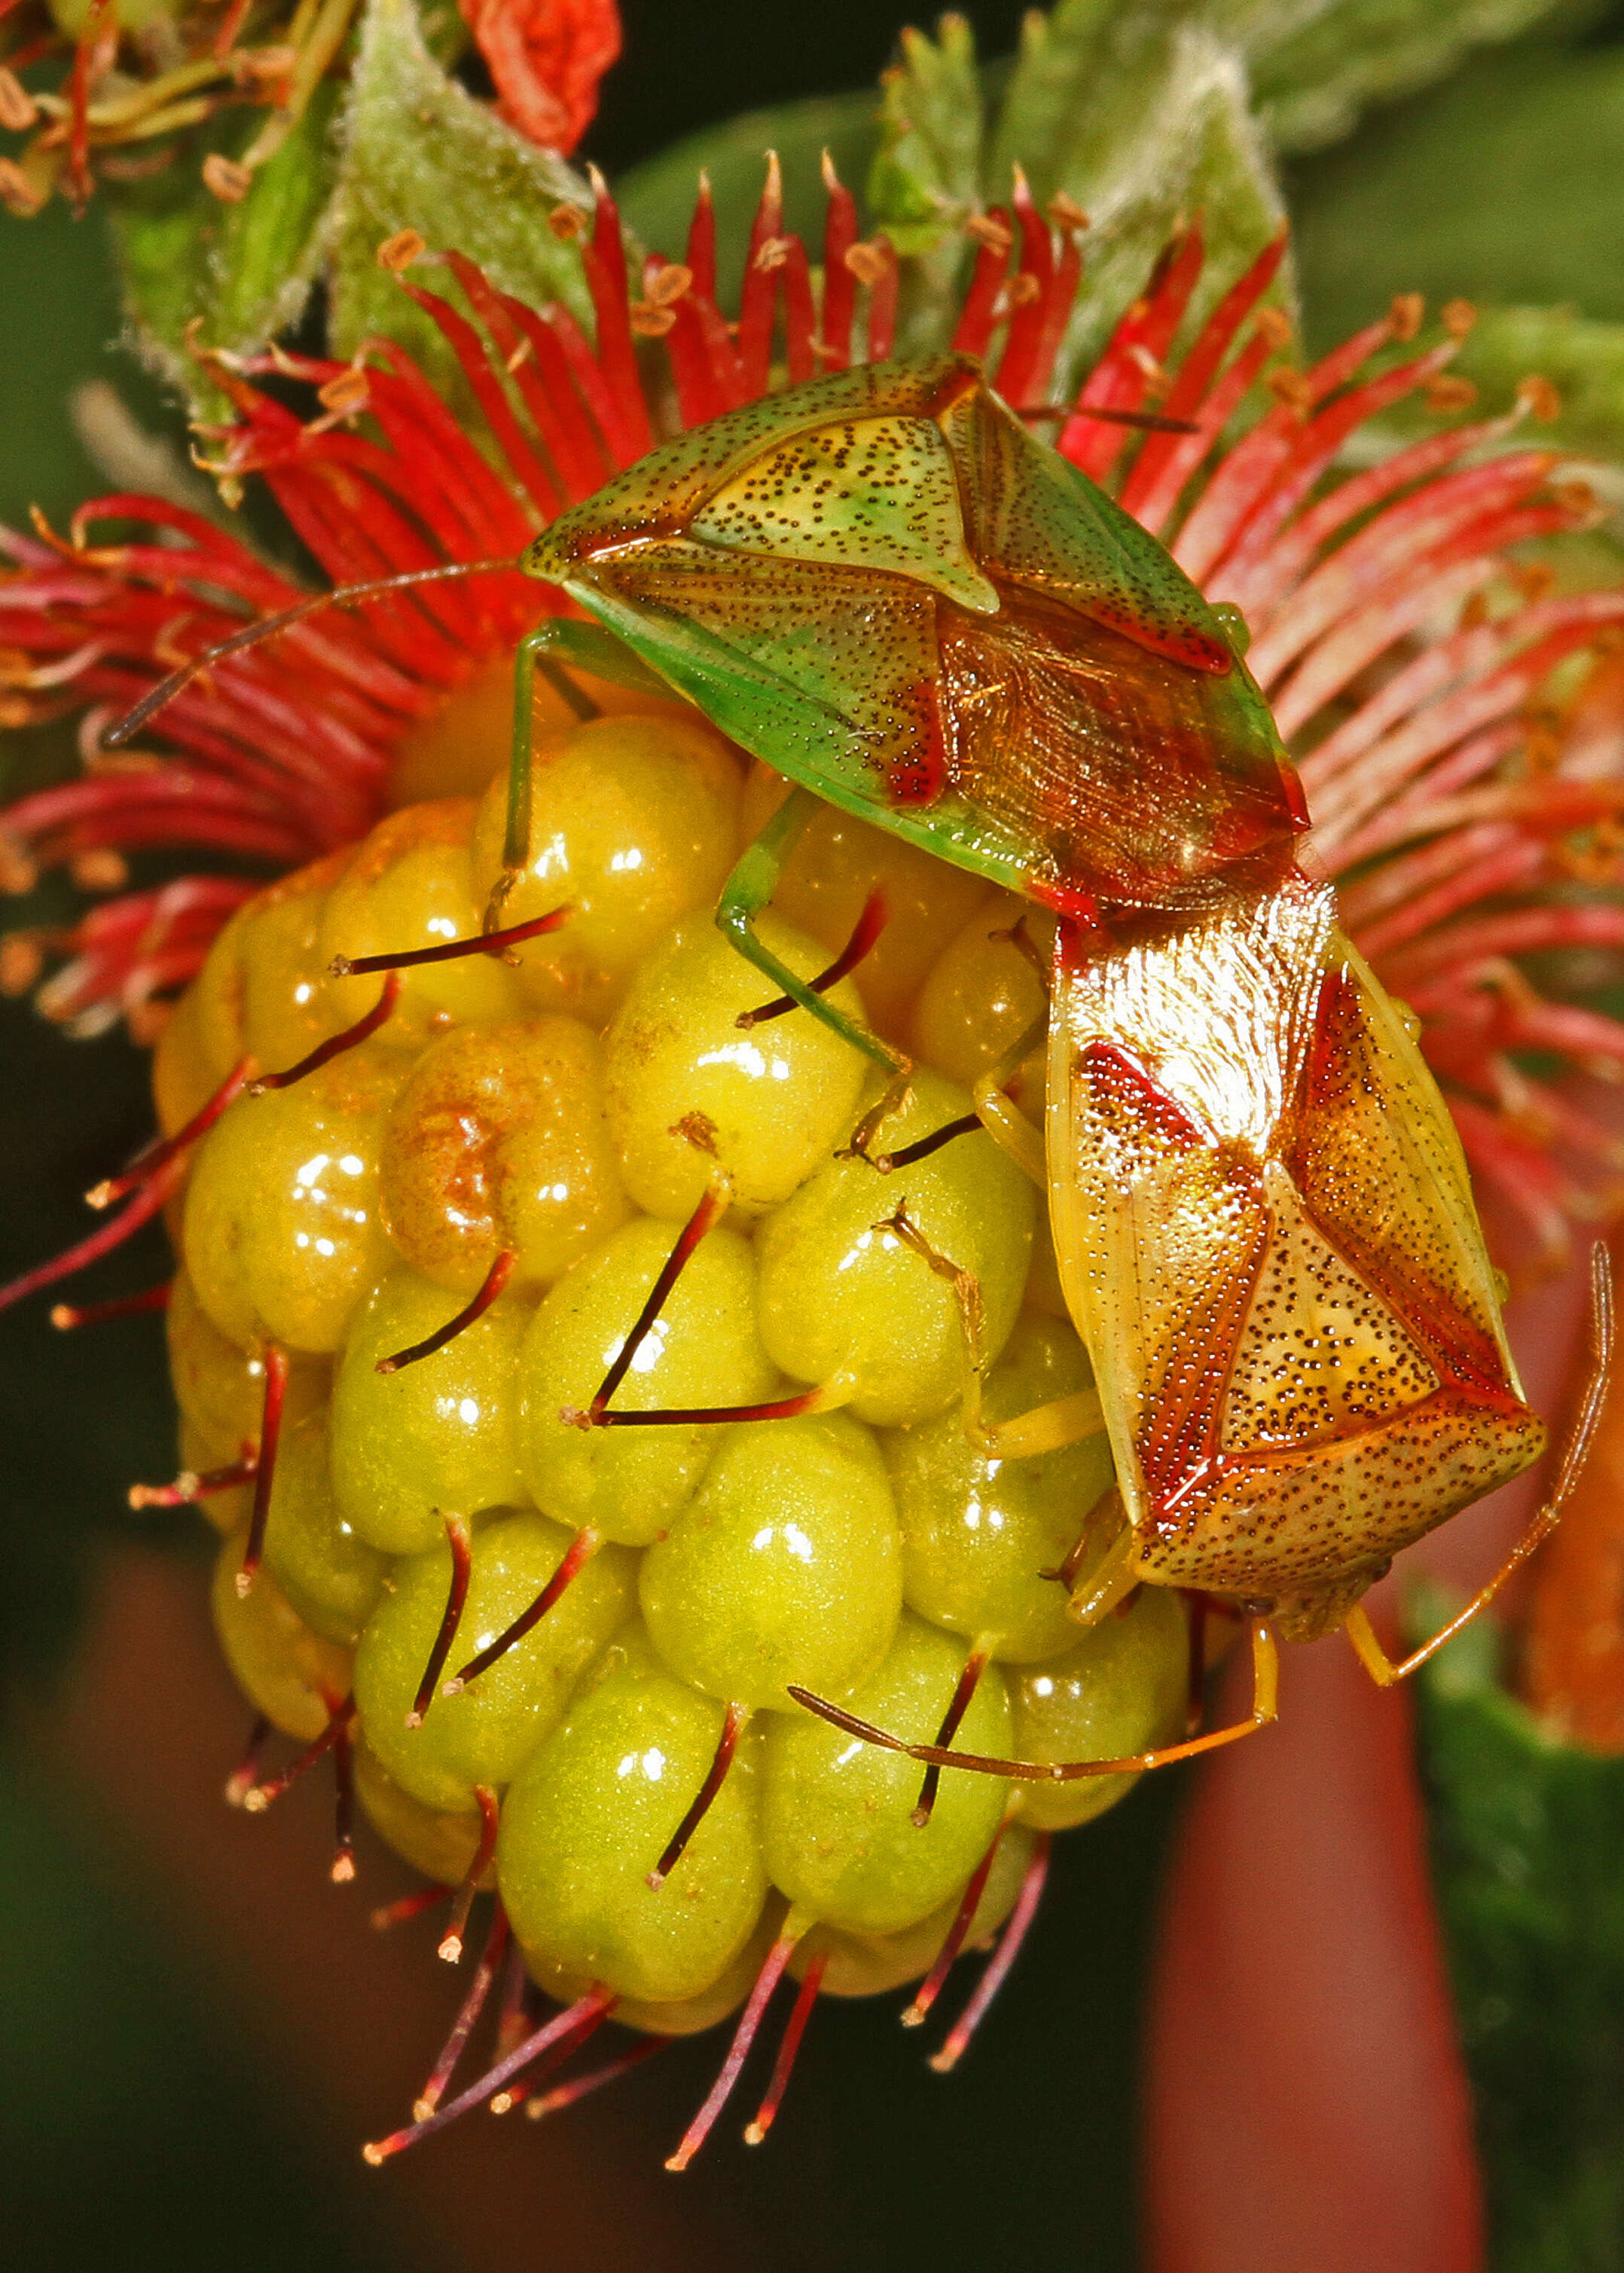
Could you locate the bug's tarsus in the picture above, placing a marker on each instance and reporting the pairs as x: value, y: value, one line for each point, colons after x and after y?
x: 966, y: 1289
x: 872, y: 921
x: 1049, y: 1428
x: 459, y: 1540
x: 335, y: 1045
x: 734, y: 1721
x: 490, y: 1286
x: 1003, y: 1121
x: 1112, y: 1576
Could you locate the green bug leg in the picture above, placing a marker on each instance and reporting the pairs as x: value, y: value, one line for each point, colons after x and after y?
x: 747, y: 892
x: 555, y: 648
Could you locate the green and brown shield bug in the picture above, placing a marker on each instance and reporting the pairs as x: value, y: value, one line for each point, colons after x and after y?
x: 883, y: 585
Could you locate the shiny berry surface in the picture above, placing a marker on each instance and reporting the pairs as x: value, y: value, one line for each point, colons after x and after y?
x: 628, y: 1382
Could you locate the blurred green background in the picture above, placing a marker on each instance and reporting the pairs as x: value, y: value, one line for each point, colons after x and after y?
x: 198, y: 2029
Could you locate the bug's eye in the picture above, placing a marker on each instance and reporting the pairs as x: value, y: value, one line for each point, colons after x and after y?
x: 1234, y: 627
x: 866, y: 493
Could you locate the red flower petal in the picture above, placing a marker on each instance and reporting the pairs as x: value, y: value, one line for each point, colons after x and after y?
x: 546, y: 58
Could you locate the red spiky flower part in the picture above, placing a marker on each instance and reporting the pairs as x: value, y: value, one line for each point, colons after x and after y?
x: 1408, y: 650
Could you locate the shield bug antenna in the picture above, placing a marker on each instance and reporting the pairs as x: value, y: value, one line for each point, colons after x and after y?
x: 341, y: 596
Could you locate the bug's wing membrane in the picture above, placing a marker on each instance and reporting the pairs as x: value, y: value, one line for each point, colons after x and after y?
x: 1098, y: 757
x: 1039, y: 523
x: 1301, y: 1364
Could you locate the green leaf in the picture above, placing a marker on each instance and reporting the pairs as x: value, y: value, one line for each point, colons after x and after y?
x: 1077, y: 97
x: 1503, y: 186
x: 1313, y: 78
x: 241, y: 272
x: 1529, y: 1859
x: 59, y: 270
x: 927, y: 173
x: 1314, y: 69
x: 420, y: 153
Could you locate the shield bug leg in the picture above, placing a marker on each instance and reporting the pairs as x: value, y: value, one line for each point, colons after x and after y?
x: 555, y: 648
x: 1111, y: 1580
x: 747, y: 892
x: 1044, y: 1428
x: 864, y: 939
x: 1104, y: 1517
x: 1383, y: 1669
x: 1003, y: 1119
x: 1264, y: 1710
